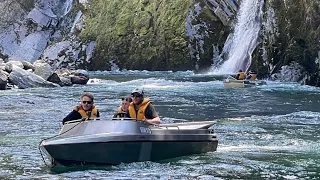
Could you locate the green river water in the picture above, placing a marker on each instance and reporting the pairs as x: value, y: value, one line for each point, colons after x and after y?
x: 265, y: 132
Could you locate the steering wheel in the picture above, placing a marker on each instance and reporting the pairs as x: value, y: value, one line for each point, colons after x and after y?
x: 120, y: 115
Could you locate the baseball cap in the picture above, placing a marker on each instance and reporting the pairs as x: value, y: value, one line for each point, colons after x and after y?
x: 137, y: 90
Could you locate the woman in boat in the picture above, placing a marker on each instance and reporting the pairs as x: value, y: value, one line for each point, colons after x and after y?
x: 141, y: 108
x: 123, y: 109
x: 86, y: 109
x: 241, y: 75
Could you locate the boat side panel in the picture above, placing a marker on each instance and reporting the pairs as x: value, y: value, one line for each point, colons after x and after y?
x: 101, y: 126
x: 166, y: 150
x: 126, y: 152
x: 232, y: 84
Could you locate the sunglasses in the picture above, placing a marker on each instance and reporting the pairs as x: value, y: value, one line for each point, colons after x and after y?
x: 136, y: 95
x: 86, y: 102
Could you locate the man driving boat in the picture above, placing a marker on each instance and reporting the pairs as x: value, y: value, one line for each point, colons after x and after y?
x: 141, y: 108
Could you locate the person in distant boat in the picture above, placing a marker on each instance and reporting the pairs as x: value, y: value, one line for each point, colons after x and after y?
x: 141, y: 108
x: 123, y: 109
x: 241, y: 75
x: 252, y: 75
x: 86, y: 109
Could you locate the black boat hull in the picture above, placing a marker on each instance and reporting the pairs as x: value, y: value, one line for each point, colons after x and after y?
x: 113, y: 153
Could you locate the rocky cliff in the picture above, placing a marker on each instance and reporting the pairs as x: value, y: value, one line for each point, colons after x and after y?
x: 157, y: 35
x: 290, y: 41
x: 43, y: 29
x: 161, y: 35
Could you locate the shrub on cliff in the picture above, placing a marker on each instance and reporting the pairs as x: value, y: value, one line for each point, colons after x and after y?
x: 139, y: 34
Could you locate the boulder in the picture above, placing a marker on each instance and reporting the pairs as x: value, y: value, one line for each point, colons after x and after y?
x: 9, y: 65
x: 289, y: 73
x: 79, y: 79
x: 25, y: 79
x: 3, y: 80
x: 2, y: 64
x: 55, y: 79
x: 66, y: 81
x: 63, y: 72
x: 62, y: 81
x: 27, y: 65
x: 43, y: 69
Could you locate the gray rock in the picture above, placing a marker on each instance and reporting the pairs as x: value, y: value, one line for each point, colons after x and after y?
x: 66, y: 81
x: 289, y: 73
x: 3, y: 80
x: 63, y: 72
x: 32, y: 46
x: 8, y: 66
x: 62, y: 81
x: 24, y: 79
x: 79, y: 79
x: 55, y: 79
x: 43, y: 69
x: 2, y: 65
x: 27, y: 65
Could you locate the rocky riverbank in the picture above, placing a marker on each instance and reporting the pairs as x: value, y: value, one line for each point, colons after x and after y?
x: 23, y: 74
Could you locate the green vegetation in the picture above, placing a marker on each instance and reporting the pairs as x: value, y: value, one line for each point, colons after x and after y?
x: 139, y: 34
x: 298, y: 37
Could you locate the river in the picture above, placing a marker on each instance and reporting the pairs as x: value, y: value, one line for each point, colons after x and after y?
x: 265, y: 132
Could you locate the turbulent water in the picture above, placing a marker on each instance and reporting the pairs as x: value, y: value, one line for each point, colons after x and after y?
x: 266, y: 132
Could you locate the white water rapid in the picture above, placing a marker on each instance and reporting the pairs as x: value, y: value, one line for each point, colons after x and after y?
x: 240, y: 45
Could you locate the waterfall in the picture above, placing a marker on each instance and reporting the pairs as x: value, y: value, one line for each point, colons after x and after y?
x: 76, y: 20
x: 63, y: 8
x: 240, y: 45
x: 54, y: 8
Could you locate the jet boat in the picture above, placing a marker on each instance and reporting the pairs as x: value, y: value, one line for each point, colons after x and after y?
x: 126, y: 140
x: 232, y: 82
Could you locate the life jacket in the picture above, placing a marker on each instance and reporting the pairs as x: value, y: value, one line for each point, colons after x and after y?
x: 141, y: 111
x: 253, y: 76
x: 242, y: 75
x: 83, y: 113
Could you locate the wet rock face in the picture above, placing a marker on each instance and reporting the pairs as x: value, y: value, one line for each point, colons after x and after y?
x: 289, y: 73
x: 290, y: 33
x: 45, y: 29
x: 207, y: 27
x: 71, y: 54
x: 159, y: 35
x: 33, y: 25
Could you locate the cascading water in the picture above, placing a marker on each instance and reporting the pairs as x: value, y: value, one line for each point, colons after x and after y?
x: 244, y: 40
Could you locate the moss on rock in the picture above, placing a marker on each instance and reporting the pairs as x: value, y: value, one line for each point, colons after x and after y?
x: 297, y: 37
x: 139, y: 34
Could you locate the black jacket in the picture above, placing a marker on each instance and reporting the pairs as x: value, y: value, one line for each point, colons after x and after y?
x: 74, y: 115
